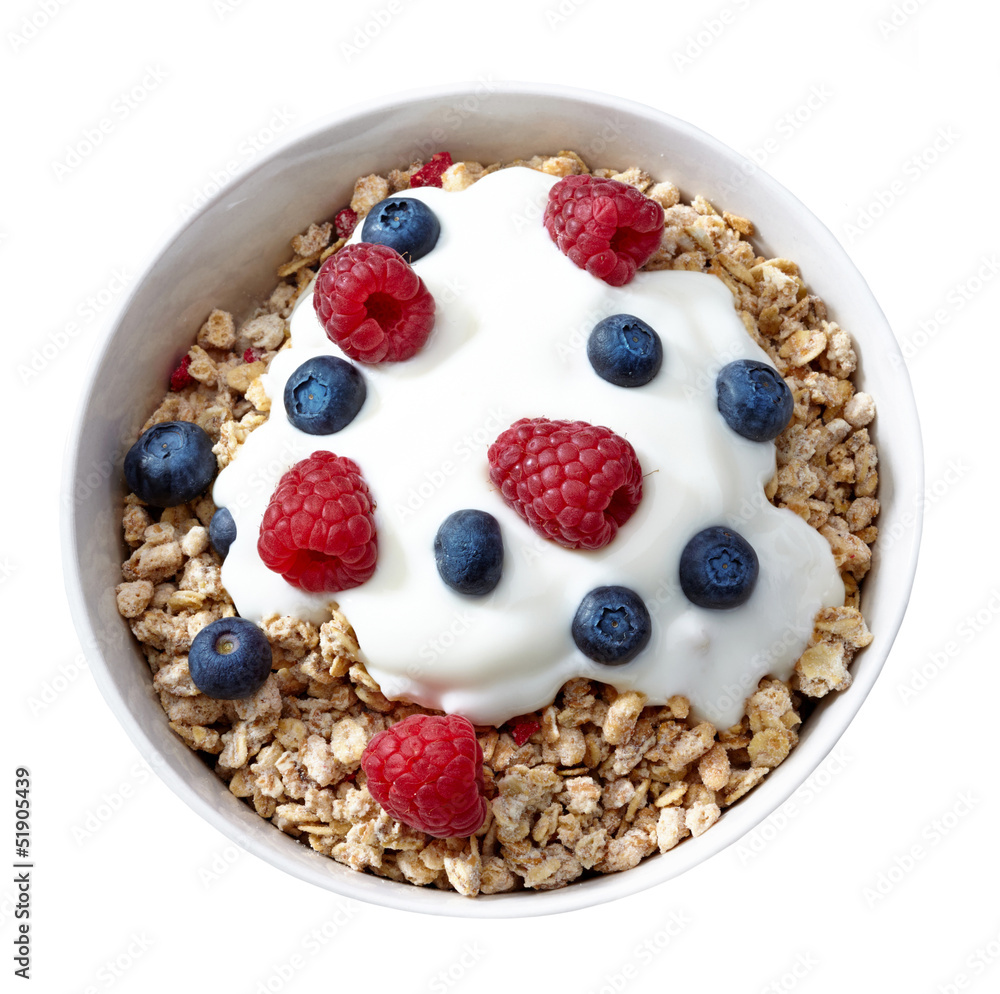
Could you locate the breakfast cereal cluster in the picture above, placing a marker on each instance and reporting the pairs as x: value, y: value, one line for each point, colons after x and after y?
x: 596, y: 781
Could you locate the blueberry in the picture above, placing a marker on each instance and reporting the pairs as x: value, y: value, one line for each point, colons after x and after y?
x: 718, y: 568
x: 754, y: 399
x: 222, y: 531
x: 229, y: 659
x: 324, y: 395
x: 405, y: 224
x: 468, y: 549
x: 171, y: 463
x: 611, y: 625
x: 624, y: 350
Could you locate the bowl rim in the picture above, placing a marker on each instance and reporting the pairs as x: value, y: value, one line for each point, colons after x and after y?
x: 804, y: 759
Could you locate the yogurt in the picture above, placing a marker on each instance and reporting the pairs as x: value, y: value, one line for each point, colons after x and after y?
x: 509, y: 342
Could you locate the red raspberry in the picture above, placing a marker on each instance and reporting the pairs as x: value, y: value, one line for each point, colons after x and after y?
x: 345, y: 222
x: 427, y: 772
x: 572, y: 482
x: 318, y: 530
x: 180, y: 377
x: 372, y: 304
x: 430, y: 173
x: 606, y: 227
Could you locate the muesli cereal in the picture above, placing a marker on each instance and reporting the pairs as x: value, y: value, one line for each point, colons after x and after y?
x: 595, y: 781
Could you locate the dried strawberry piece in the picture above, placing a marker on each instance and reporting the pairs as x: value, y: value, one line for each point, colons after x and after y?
x: 180, y: 377
x: 252, y: 354
x: 345, y: 222
x: 521, y: 731
x: 430, y: 173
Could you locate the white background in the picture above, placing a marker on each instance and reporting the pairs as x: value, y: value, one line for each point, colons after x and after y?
x: 864, y: 880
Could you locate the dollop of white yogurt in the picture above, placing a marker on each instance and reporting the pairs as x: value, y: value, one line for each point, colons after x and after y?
x: 509, y: 342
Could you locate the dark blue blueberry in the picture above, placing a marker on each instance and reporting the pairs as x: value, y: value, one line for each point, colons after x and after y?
x: 324, y: 395
x: 624, y: 350
x: 611, y: 625
x: 468, y: 549
x: 171, y: 463
x: 222, y: 531
x: 718, y: 568
x: 229, y: 659
x: 405, y: 224
x: 754, y: 399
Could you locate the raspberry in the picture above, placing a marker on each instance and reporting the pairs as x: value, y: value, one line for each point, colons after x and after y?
x: 318, y: 530
x: 345, y: 222
x: 606, y: 227
x: 180, y: 377
x: 372, y: 304
x: 430, y: 173
x: 572, y: 482
x: 427, y: 772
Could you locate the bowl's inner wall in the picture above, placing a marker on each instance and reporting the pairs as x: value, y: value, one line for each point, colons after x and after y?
x: 226, y: 257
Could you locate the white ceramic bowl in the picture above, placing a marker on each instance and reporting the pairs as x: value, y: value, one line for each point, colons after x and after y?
x: 225, y: 256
